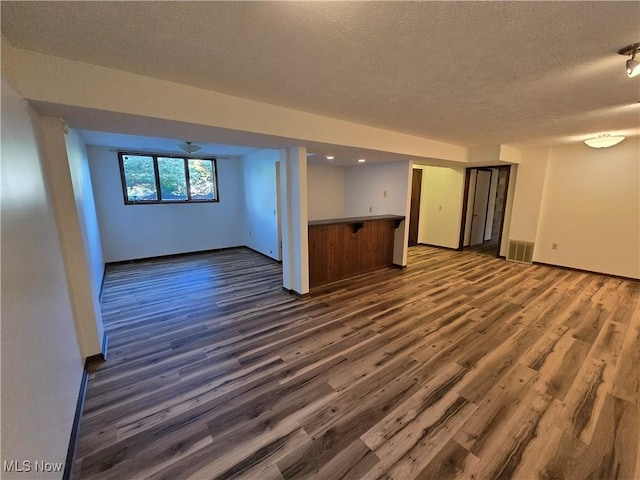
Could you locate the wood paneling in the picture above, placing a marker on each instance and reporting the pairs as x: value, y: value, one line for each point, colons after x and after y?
x: 337, y: 252
x: 461, y: 366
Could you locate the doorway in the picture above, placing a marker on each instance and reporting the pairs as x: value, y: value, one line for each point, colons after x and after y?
x: 484, y: 209
x: 278, y: 211
x: 414, y: 212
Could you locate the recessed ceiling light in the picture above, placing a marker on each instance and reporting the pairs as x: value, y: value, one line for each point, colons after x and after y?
x: 329, y: 157
x: 604, y: 141
x: 362, y: 160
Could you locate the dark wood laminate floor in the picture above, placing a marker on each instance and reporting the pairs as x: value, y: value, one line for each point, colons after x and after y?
x: 490, y: 247
x: 461, y: 366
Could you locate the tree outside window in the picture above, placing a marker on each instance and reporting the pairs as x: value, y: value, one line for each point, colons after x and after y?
x: 151, y: 178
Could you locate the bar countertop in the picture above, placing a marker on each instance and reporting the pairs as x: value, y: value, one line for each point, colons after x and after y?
x: 355, y: 219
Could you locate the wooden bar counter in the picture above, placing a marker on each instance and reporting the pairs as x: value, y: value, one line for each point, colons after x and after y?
x: 343, y: 247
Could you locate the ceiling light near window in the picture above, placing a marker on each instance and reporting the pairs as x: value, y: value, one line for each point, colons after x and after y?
x: 633, y: 66
x: 362, y: 160
x: 329, y: 157
x: 604, y: 141
x: 189, y: 147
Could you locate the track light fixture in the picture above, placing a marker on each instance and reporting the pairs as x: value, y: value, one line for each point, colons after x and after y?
x: 633, y: 65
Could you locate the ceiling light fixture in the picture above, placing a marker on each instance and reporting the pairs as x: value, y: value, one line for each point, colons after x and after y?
x: 633, y: 66
x: 189, y: 147
x: 604, y: 141
x: 362, y: 160
x: 329, y: 157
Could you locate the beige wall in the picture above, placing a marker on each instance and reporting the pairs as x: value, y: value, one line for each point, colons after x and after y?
x: 441, y: 206
x: 325, y: 189
x: 591, y: 209
x: 528, y: 194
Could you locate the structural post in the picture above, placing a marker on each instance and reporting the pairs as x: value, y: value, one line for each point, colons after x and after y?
x: 82, y: 289
x: 401, y: 239
x: 295, y: 229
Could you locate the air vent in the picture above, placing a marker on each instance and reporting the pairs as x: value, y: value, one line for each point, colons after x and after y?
x: 520, y: 251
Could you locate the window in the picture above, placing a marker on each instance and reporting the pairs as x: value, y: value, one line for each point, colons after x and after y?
x: 151, y: 178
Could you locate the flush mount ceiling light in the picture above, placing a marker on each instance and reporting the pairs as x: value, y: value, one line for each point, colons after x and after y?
x: 604, y: 141
x: 633, y: 66
x: 362, y: 160
x: 329, y: 157
x: 189, y: 147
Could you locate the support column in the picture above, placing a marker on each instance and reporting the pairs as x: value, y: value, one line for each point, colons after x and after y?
x: 401, y: 239
x: 295, y: 229
x: 72, y: 230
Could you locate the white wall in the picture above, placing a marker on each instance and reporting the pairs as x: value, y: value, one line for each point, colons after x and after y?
x: 528, y: 194
x: 140, y: 231
x: 487, y: 154
x: 41, y: 359
x: 85, y: 205
x: 381, y: 189
x: 441, y: 206
x: 591, y: 209
x: 365, y: 187
x: 261, y: 202
x: 510, y: 154
x: 325, y: 191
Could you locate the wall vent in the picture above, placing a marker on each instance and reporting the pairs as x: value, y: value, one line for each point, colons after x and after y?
x: 520, y: 251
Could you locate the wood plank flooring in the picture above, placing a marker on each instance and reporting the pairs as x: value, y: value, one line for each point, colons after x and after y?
x: 462, y: 366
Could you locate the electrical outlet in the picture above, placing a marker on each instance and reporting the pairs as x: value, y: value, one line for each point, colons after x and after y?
x: 370, y: 209
x: 554, y: 246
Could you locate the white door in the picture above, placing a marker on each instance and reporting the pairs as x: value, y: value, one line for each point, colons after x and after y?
x: 480, y: 204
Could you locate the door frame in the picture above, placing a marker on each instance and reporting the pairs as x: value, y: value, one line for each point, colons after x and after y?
x: 415, y: 221
x: 465, y: 203
x: 505, y: 196
x: 473, y: 207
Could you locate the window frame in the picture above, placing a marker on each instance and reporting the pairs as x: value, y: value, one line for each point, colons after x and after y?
x: 159, y: 200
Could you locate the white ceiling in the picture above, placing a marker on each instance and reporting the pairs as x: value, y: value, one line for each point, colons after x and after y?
x: 468, y: 73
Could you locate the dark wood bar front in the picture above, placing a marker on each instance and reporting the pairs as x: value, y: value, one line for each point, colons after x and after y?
x: 341, y: 248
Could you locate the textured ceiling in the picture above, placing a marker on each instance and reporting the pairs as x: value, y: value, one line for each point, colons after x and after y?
x: 469, y: 73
